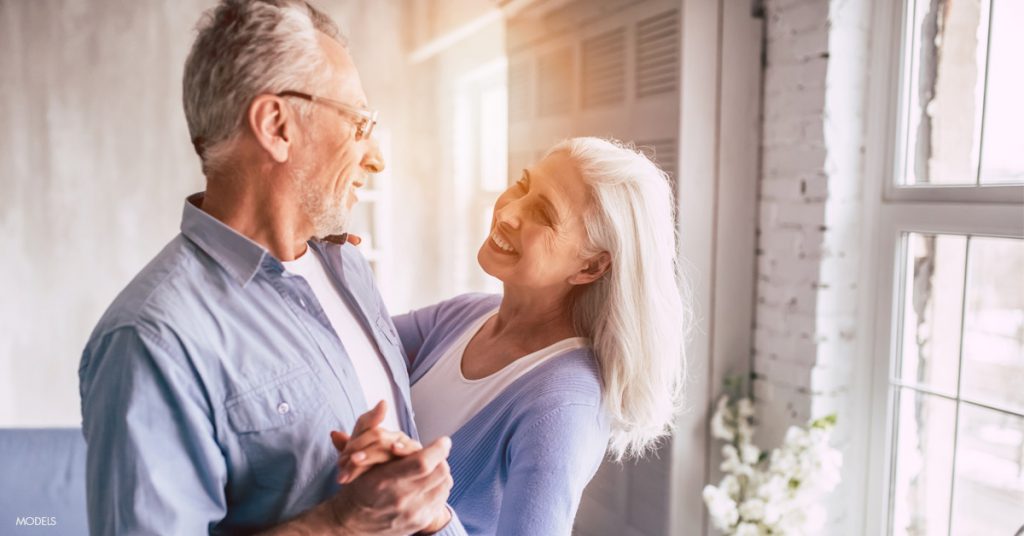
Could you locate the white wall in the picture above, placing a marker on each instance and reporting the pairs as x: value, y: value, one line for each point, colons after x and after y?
x: 810, y: 357
x: 96, y: 162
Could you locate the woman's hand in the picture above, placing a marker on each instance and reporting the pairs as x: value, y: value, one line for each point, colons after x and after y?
x: 370, y: 445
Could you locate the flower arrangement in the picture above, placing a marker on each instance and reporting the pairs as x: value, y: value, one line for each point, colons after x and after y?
x: 775, y: 493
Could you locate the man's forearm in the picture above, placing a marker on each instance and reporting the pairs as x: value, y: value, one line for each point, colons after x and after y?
x: 320, y: 519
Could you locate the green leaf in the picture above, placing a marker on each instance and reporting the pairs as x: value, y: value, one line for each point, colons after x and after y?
x: 824, y: 423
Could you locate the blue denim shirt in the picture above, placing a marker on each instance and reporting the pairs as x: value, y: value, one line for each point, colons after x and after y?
x: 210, y: 386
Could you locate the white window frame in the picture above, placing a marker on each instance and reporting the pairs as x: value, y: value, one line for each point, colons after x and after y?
x: 471, y: 200
x: 891, y: 211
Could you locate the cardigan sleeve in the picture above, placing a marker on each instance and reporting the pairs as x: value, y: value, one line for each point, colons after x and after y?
x: 550, y: 463
x: 413, y: 328
x: 416, y: 327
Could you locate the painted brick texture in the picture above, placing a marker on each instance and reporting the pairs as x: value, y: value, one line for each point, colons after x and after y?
x: 806, y: 335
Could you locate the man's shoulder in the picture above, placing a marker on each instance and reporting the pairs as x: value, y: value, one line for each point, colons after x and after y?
x: 166, y: 282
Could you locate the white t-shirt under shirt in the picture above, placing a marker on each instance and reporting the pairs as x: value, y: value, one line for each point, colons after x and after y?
x: 445, y: 400
x: 366, y: 359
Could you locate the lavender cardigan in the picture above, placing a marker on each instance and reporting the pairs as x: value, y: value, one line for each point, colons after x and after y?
x: 521, y: 462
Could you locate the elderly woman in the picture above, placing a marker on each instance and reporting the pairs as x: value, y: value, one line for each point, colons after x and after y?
x: 581, y: 355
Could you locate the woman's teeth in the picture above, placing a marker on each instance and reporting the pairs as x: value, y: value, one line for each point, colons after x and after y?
x: 501, y: 243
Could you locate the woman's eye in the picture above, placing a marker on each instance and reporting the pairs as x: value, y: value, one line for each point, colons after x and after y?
x: 544, y: 217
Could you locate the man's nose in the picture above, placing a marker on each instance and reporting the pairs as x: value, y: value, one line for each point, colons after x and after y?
x: 373, y: 160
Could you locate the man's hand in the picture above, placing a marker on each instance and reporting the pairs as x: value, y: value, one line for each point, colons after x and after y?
x: 372, y: 445
x: 394, y: 486
x: 400, y: 497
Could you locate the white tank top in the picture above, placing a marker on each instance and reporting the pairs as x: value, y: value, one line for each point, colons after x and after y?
x: 444, y: 400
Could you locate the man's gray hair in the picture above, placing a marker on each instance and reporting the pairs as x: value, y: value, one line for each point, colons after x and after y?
x: 245, y: 48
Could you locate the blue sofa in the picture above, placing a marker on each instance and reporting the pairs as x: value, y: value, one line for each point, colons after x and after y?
x: 42, y: 481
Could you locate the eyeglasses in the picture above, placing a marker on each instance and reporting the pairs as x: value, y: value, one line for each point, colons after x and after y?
x: 365, y: 119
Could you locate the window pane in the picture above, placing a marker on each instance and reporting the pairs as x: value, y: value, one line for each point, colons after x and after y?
x: 361, y: 223
x: 487, y: 283
x: 924, y: 464
x: 1002, y: 151
x: 994, y: 324
x: 932, y: 304
x: 989, y: 490
x: 947, y: 54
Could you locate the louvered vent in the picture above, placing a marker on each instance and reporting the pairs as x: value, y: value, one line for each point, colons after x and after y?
x: 604, y: 69
x: 657, y: 54
x: 663, y: 152
x: 519, y: 92
x: 554, y: 84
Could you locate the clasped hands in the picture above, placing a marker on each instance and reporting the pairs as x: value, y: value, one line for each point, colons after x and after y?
x: 408, y: 483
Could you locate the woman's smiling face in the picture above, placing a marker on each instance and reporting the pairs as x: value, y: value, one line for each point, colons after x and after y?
x: 537, y: 231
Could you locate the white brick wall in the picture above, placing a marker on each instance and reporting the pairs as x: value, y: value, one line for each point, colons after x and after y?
x: 806, y: 336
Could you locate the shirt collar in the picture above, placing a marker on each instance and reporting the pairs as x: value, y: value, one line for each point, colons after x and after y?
x: 238, y: 255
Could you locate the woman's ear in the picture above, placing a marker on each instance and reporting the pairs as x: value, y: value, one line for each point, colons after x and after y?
x: 273, y: 125
x: 594, y: 269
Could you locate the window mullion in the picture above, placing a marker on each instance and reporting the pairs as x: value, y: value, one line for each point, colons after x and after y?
x: 984, y: 92
x: 1006, y: 220
x: 959, y: 384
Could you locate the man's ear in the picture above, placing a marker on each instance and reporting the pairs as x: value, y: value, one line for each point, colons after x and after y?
x: 594, y: 269
x: 273, y: 125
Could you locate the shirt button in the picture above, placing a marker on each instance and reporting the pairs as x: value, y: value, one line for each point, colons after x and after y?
x: 302, y: 302
x: 283, y: 408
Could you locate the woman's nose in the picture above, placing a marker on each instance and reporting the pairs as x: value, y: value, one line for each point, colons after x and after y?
x: 508, y: 215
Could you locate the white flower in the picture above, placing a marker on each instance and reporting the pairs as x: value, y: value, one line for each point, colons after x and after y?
x: 779, y: 494
x: 749, y: 453
x: 783, y: 462
x: 731, y: 486
x: 752, y: 509
x: 721, y: 508
x: 720, y: 427
x: 793, y: 522
x: 772, y: 514
x: 732, y: 464
x: 797, y: 437
x: 748, y: 529
x: 744, y: 408
x: 744, y: 432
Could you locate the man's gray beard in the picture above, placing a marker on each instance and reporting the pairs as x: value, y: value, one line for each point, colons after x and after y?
x: 329, y: 215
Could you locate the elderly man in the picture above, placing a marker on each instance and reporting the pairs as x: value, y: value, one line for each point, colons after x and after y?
x: 210, y: 386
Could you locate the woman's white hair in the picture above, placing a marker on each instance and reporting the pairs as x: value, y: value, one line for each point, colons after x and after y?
x: 635, y: 314
x: 245, y: 48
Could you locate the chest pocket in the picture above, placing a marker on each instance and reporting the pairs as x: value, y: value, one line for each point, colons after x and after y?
x: 283, y: 429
